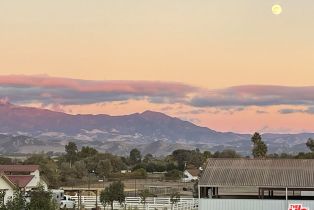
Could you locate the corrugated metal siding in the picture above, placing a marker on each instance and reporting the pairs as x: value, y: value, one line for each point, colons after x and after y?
x: 259, y: 172
x: 238, y: 204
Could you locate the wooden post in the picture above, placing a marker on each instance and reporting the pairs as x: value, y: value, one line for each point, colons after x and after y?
x: 287, y: 198
x: 78, y: 199
x: 199, y: 192
x: 97, y: 199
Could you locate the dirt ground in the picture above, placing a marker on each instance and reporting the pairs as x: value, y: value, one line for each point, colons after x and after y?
x: 157, y: 187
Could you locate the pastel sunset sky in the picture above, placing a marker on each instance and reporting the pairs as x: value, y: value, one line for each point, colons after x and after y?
x: 227, y: 65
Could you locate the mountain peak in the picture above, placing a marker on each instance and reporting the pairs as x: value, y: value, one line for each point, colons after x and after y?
x: 154, y: 115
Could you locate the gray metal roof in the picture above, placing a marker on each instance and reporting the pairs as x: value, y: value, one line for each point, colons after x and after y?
x: 259, y: 172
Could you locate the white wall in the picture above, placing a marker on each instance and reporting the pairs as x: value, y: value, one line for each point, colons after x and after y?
x: 189, y: 177
x: 250, y: 204
x: 9, y: 190
x: 36, y: 181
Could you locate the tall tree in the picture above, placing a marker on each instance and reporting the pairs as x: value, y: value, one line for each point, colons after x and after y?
x: 17, y: 202
x: 104, y: 168
x: 48, y: 168
x: 87, y: 152
x: 144, y: 194
x: 259, y: 147
x: 2, y: 195
x: 148, y: 157
x: 207, y: 154
x: 41, y: 199
x: 174, y: 198
x: 115, y: 192
x: 182, y: 157
x: 79, y: 169
x: 135, y: 156
x: 71, y: 152
x: 310, y: 144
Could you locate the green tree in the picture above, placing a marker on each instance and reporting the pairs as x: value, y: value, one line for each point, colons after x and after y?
x: 67, y: 174
x: 173, y: 174
x: 144, y: 194
x: 115, y: 192
x: 135, y: 156
x: 310, y: 144
x: 117, y: 164
x: 87, y: 152
x: 195, y: 189
x: 228, y: 153
x: 174, y: 198
x: 197, y: 158
x: 18, y: 202
x: 47, y: 166
x: 2, y: 195
x: 104, y: 168
x: 259, y: 147
x: 80, y: 169
x: 71, y: 152
x: 139, y: 173
x: 5, y: 161
x: 207, y: 154
x: 41, y: 199
x: 148, y: 157
x: 181, y: 156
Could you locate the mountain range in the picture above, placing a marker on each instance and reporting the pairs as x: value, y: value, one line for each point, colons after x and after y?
x: 28, y: 130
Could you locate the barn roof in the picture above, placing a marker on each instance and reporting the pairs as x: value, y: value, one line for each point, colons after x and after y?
x: 258, y: 172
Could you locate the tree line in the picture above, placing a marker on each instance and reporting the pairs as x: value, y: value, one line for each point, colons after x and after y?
x: 39, y: 199
x: 79, y: 166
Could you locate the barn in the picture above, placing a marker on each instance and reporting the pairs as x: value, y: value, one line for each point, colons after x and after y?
x: 259, y: 184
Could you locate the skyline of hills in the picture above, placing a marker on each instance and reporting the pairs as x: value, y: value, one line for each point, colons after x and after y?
x: 151, y: 132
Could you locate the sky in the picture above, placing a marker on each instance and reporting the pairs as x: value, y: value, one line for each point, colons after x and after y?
x: 226, y: 65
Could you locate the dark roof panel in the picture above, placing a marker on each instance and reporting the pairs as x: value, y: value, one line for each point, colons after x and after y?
x: 20, y: 180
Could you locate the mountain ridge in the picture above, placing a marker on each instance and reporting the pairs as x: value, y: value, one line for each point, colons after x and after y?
x: 120, y: 133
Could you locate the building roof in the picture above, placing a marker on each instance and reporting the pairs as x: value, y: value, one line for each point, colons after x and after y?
x: 6, y: 179
x: 258, y: 172
x: 193, y: 172
x: 20, y: 180
x: 18, y: 168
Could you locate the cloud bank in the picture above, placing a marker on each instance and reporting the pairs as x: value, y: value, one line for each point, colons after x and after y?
x: 53, y: 90
x: 48, y: 90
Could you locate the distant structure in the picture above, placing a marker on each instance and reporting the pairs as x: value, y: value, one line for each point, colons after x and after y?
x: 259, y: 184
x: 191, y: 174
x: 25, y: 177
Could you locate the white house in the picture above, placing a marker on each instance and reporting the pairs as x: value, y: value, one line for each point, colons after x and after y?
x: 190, y: 175
x: 26, y: 177
x: 7, y: 186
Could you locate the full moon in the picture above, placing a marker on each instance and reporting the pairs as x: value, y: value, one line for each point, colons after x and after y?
x: 276, y: 9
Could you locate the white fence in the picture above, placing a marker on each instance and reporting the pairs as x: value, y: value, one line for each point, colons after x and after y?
x: 151, y: 203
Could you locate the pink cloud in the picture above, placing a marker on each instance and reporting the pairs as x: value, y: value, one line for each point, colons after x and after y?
x: 132, y: 87
x: 57, y: 90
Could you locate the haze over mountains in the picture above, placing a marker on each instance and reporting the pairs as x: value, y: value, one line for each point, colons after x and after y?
x: 26, y: 130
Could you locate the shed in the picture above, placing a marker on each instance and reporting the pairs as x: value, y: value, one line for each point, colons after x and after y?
x: 261, y: 179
